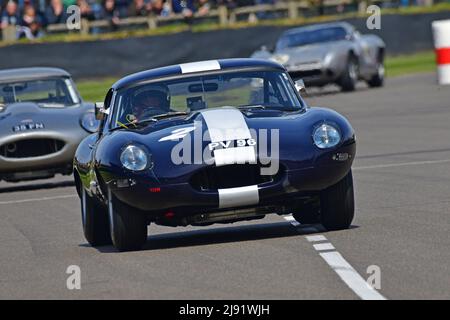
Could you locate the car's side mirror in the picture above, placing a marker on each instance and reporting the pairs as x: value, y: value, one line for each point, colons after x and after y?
x: 300, y: 86
x: 100, y: 111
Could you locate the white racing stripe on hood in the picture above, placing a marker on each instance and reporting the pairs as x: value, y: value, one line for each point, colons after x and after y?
x: 200, y: 66
x: 228, y: 124
x: 236, y: 197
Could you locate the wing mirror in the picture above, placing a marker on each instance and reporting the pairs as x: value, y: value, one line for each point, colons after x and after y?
x: 300, y: 86
x: 100, y: 111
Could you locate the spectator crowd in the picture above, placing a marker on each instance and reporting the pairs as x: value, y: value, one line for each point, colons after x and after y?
x: 31, y: 17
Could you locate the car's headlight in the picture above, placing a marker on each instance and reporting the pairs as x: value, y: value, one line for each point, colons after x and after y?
x: 134, y: 158
x: 280, y: 58
x: 326, y: 136
x: 89, y: 123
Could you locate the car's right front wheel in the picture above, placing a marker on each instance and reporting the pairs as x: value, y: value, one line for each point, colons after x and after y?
x: 377, y: 79
x: 337, y: 204
x: 128, y: 228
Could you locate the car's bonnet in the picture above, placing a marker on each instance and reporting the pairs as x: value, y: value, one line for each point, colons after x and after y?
x: 33, y: 117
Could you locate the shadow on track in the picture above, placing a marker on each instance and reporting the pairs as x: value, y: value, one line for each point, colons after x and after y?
x: 219, y: 235
x: 38, y: 186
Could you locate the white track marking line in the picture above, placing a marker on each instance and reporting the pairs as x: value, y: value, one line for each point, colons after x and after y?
x: 323, y: 246
x: 316, y: 238
x: 337, y: 262
x: 350, y: 276
x: 38, y: 199
x: 402, y: 164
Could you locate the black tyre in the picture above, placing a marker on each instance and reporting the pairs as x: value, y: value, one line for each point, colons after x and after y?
x: 128, y: 228
x: 307, y: 213
x: 349, y: 78
x: 378, y: 78
x: 337, y: 205
x: 95, y: 221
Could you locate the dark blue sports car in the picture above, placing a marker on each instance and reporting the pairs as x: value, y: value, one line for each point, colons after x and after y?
x: 209, y: 142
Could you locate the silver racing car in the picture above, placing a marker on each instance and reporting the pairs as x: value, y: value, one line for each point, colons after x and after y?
x: 42, y: 121
x: 329, y: 53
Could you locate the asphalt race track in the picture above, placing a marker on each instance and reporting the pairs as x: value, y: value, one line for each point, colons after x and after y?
x: 402, y: 225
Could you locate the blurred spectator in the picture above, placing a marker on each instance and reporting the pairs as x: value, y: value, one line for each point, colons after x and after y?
x: 86, y: 10
x: 139, y: 8
x: 10, y: 17
x: 56, y: 13
x: 203, y: 7
x: 185, y: 7
x: 122, y: 7
x: 111, y: 14
x: 30, y: 24
x: 68, y: 3
x: 161, y: 8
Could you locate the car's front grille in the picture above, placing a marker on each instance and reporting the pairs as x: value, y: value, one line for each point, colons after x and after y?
x: 31, y: 148
x: 230, y: 176
x: 305, y: 73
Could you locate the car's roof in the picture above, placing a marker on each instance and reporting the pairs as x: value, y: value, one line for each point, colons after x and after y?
x: 195, y: 67
x: 319, y: 26
x: 23, y: 74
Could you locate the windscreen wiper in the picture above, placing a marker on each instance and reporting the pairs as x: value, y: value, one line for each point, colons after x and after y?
x: 169, y: 114
x: 255, y: 106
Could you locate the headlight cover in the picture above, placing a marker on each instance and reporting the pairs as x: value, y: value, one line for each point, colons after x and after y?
x: 280, y: 58
x: 134, y: 158
x: 89, y: 123
x: 326, y: 136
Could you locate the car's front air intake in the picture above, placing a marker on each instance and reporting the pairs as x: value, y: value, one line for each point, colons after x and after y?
x: 31, y: 148
x: 230, y: 176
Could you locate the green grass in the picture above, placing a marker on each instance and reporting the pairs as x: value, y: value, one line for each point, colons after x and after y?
x: 95, y: 90
x: 416, y: 63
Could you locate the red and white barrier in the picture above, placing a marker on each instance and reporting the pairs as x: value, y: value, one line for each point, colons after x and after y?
x: 441, y: 35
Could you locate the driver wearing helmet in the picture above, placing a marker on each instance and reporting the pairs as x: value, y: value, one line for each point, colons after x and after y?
x: 150, y: 102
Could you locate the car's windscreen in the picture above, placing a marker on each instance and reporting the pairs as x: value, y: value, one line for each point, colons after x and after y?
x: 255, y: 89
x: 303, y: 38
x: 45, y: 92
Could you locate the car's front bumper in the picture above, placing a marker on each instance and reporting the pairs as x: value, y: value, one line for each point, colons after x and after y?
x: 150, y: 196
x: 59, y: 159
x: 316, y: 74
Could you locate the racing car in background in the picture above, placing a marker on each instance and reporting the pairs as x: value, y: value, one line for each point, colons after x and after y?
x: 328, y: 53
x: 42, y: 121
x: 211, y: 142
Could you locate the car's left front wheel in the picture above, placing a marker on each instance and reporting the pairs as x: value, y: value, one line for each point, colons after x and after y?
x: 95, y: 221
x: 128, y: 228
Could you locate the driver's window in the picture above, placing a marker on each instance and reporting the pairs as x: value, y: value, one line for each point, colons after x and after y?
x: 273, y: 99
